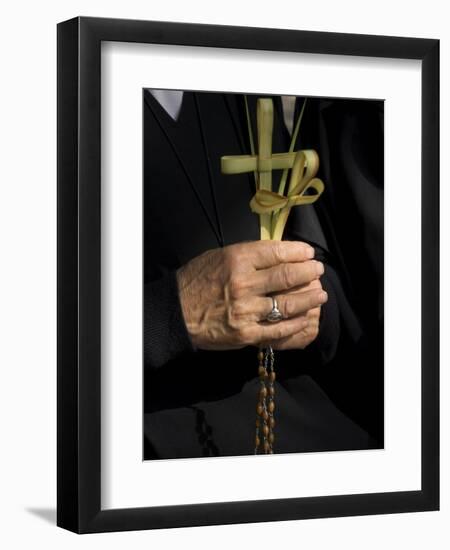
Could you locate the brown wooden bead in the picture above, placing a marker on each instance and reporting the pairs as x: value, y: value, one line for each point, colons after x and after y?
x: 272, y: 376
x: 260, y: 409
x: 271, y: 406
x: 265, y: 429
x: 263, y: 392
x: 272, y: 422
x: 261, y: 355
x: 265, y: 415
x: 266, y: 446
x: 262, y: 373
x: 271, y: 438
x: 271, y: 391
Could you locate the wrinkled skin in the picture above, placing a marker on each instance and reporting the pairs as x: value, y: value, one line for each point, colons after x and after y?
x: 225, y: 295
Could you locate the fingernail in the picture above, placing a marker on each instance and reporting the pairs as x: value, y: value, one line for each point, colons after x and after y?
x: 310, y: 252
x: 322, y: 297
x: 319, y: 268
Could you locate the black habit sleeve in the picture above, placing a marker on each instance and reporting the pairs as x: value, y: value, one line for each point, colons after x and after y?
x: 165, y: 332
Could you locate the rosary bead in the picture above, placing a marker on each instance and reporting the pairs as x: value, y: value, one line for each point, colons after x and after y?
x: 265, y: 415
x: 266, y: 429
x: 271, y: 406
x: 271, y: 391
x: 263, y: 392
x: 266, y: 446
x: 272, y: 376
x: 262, y: 373
x: 261, y: 356
x: 271, y: 438
x: 272, y: 422
x: 260, y: 409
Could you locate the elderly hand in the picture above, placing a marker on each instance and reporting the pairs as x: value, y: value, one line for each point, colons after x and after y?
x: 225, y: 295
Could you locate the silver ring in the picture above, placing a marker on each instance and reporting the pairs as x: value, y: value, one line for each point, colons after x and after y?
x: 275, y: 315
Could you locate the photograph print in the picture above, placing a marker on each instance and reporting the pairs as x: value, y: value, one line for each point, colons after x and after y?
x: 263, y: 302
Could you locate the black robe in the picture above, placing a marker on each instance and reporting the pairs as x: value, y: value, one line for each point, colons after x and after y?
x: 203, y: 403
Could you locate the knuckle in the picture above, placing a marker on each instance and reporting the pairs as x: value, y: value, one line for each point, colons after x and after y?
x: 236, y: 286
x: 237, y: 257
x: 237, y: 314
x: 238, y: 309
x: 288, y: 308
x: 278, y: 251
x: 288, y: 276
x: 232, y: 320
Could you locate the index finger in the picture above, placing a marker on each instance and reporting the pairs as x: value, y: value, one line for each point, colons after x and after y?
x: 264, y: 254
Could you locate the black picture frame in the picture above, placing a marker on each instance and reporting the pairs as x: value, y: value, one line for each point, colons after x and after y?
x: 79, y: 281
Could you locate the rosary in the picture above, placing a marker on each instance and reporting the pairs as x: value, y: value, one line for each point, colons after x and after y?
x: 273, y: 209
x: 265, y: 408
